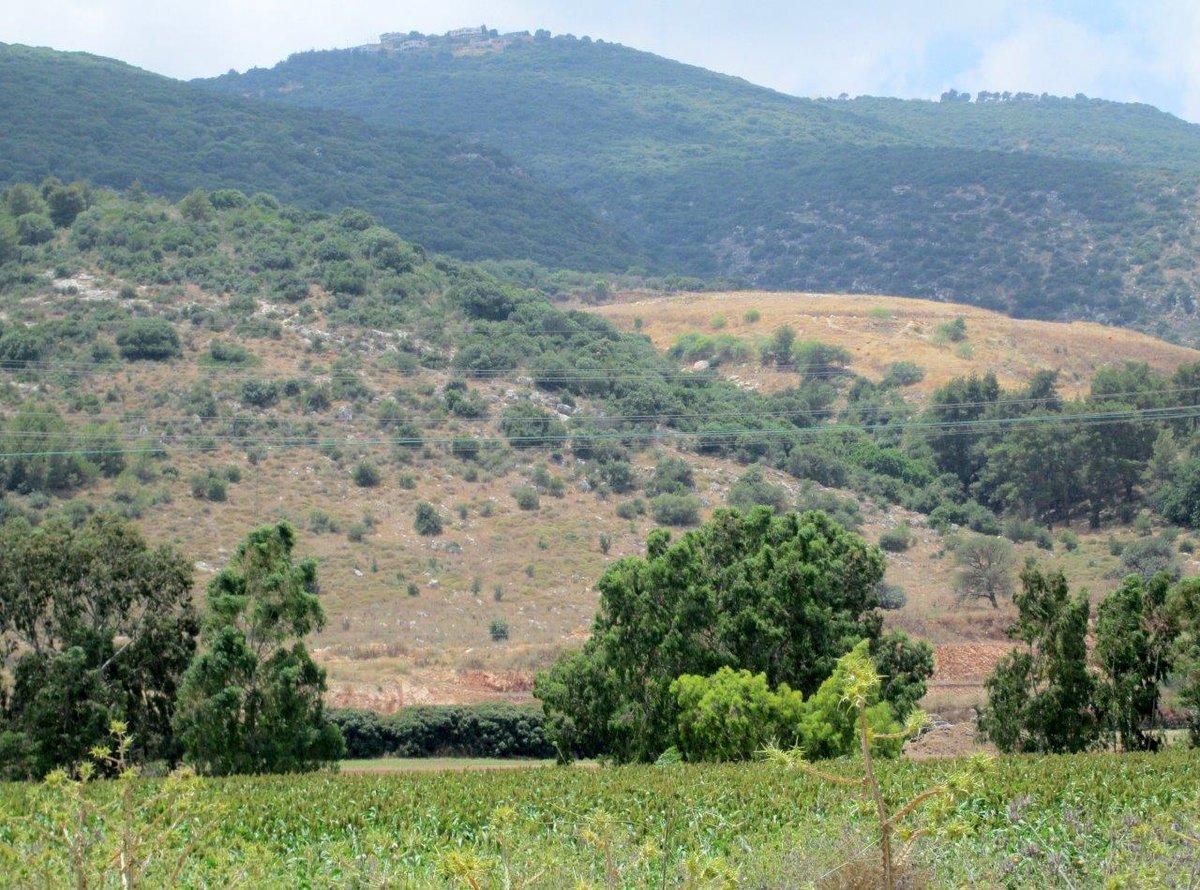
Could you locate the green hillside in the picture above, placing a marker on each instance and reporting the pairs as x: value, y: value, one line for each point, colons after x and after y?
x: 78, y: 116
x: 1043, y: 207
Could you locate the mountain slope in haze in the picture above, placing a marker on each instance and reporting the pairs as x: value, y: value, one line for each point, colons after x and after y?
x: 73, y: 115
x: 1048, y: 208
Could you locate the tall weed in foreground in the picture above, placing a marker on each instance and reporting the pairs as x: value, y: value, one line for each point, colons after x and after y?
x: 893, y: 868
x: 128, y: 839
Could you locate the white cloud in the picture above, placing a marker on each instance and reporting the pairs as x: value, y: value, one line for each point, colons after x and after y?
x: 1049, y: 54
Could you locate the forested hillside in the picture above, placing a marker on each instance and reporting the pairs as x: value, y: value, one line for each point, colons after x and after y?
x: 77, y: 116
x: 463, y: 451
x: 1048, y: 208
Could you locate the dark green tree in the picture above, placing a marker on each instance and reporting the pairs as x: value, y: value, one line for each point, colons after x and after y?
x: 251, y: 700
x: 904, y: 664
x: 1133, y: 651
x: 95, y: 626
x: 148, y: 338
x: 1041, y: 696
x: 1183, y: 611
x: 784, y: 596
x: 962, y: 400
x: 66, y: 202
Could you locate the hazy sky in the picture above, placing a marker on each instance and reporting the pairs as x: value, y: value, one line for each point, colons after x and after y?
x: 1145, y: 51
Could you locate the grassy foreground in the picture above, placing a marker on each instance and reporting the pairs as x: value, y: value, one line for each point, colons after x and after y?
x: 1096, y: 820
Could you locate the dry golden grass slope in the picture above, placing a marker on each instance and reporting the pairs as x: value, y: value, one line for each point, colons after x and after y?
x: 880, y: 330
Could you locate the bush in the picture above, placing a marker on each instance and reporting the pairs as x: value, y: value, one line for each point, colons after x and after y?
x: 527, y: 498
x: 952, y: 331
x: 228, y: 353
x: 260, y: 393
x: 1069, y: 540
x: 972, y: 515
x: 320, y: 522
x: 366, y: 475
x: 427, y: 521
x: 34, y: 229
x: 818, y: 464
x: 1022, y: 530
x: 891, y: 596
x: 209, y: 486
x: 896, y: 539
x: 731, y: 715
x: 484, y: 730
x: 900, y: 374
x: 671, y: 476
x: 1149, y: 556
x: 750, y: 316
x: 148, y: 338
x: 752, y: 490
x: 525, y: 425
x: 675, y: 509
x: 498, y: 630
x: 844, y: 511
x: 631, y: 509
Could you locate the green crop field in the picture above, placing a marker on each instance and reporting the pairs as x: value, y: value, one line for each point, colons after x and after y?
x: 1078, y: 821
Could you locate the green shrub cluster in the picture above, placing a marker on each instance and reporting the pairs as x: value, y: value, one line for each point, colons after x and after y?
x: 486, y: 730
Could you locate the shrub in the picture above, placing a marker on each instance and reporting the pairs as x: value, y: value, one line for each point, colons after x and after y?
x: 891, y: 596
x: 731, y: 715
x: 900, y: 374
x: 675, y: 509
x: 485, y: 730
x: 1069, y: 540
x: 952, y: 331
x: 671, y: 476
x: 260, y: 393
x: 844, y: 511
x: 896, y: 539
x: 525, y: 425
x: 1022, y: 530
x: 498, y: 630
x: 427, y: 520
x: 320, y: 522
x: 818, y: 464
x: 34, y: 229
x: 527, y: 498
x: 20, y: 347
x: 752, y: 490
x: 148, y: 338
x: 366, y: 475
x: 631, y: 509
x: 972, y: 515
x: 209, y: 486
x: 228, y: 353
x: 1149, y: 556
x: 750, y: 316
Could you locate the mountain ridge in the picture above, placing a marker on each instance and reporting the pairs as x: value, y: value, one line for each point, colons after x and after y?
x: 132, y: 125
x: 1044, y: 207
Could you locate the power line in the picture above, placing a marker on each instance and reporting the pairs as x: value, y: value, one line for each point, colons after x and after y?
x: 781, y: 414
x: 970, y: 426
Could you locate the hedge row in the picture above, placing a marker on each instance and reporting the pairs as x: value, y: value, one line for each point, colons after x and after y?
x: 485, y: 730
